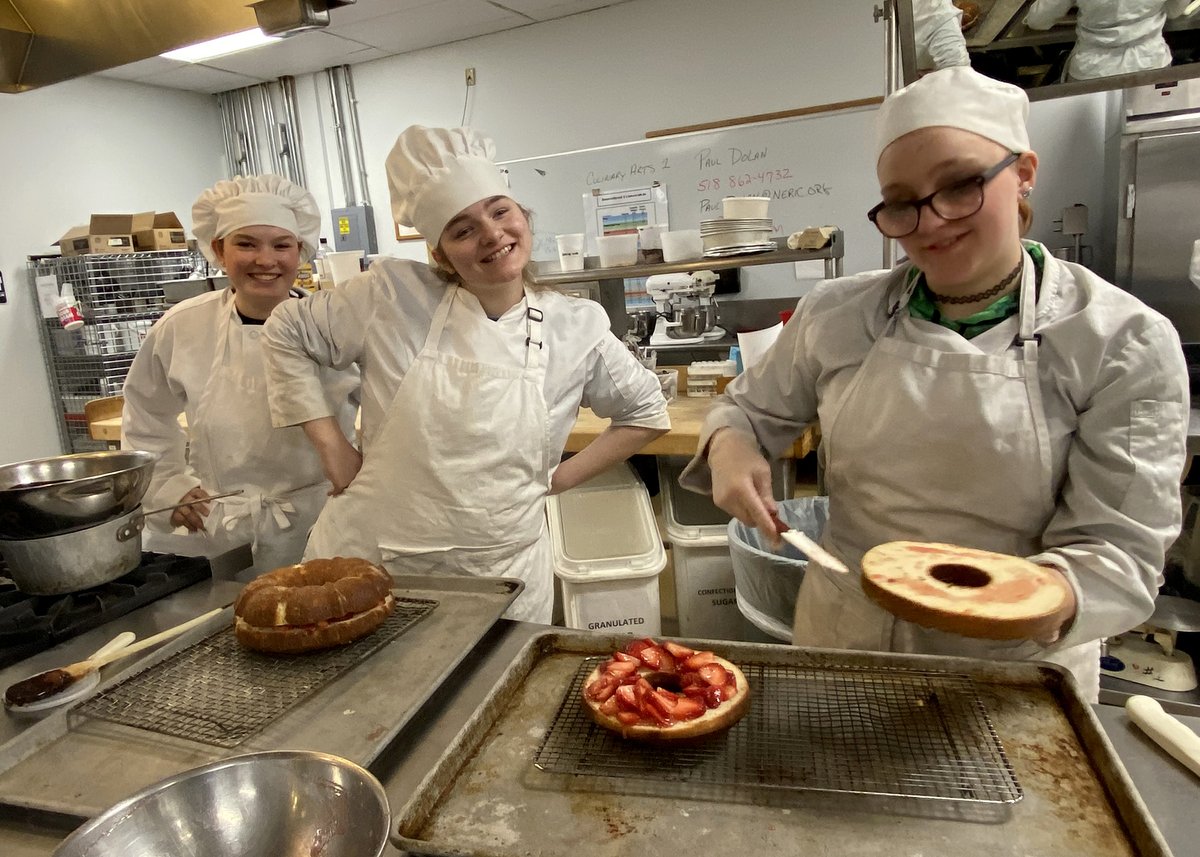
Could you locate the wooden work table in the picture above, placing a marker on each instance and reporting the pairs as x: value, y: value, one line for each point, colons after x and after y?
x: 687, y: 416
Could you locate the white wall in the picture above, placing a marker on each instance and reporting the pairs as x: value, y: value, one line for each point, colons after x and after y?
x: 606, y: 76
x: 92, y: 145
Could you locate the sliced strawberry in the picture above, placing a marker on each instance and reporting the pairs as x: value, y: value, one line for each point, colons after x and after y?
x: 686, y: 680
x: 627, y: 698
x: 628, y: 717
x: 664, y: 700
x: 696, y: 691
x: 731, y: 685
x: 714, y: 696
x: 688, y: 708
x: 698, y: 660
x: 635, y: 648
x: 630, y: 659
x: 681, y: 653
x: 620, y: 668
x: 652, y: 656
x: 602, y: 688
x: 610, y: 706
x: 714, y: 674
x: 666, y: 662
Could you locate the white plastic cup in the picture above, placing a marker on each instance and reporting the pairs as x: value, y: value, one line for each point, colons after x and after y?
x: 682, y: 245
x: 668, y: 380
x: 619, y: 250
x: 342, y: 265
x: 570, y: 251
x: 745, y: 207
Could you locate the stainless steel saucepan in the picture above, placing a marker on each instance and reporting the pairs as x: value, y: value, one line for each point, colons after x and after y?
x: 81, y: 559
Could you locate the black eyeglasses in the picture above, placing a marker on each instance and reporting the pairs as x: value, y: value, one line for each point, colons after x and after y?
x: 952, y: 202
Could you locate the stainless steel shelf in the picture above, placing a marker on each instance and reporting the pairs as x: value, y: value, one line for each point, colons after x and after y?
x: 549, y: 274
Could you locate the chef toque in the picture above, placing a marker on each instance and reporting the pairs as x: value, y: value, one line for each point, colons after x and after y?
x: 958, y: 97
x: 265, y: 200
x: 434, y: 173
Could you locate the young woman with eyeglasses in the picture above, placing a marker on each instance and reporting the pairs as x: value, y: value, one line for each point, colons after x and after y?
x: 982, y: 394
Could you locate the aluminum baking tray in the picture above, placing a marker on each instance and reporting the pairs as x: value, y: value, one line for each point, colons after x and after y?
x: 80, y: 766
x: 486, y: 797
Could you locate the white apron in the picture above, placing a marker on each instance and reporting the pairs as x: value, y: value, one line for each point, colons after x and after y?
x: 945, y: 443
x: 233, y: 445
x: 457, y: 476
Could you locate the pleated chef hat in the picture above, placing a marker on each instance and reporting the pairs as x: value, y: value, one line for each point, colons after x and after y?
x: 434, y: 173
x: 959, y: 97
x: 265, y: 200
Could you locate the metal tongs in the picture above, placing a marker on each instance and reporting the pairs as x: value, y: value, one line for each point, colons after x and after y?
x: 137, y: 522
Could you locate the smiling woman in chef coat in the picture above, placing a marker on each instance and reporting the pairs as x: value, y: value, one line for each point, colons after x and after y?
x: 471, y: 383
x: 203, y: 358
x: 984, y: 394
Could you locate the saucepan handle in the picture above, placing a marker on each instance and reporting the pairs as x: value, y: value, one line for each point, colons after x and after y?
x: 138, y: 521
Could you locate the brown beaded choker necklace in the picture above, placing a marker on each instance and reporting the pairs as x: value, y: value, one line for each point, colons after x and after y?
x: 970, y: 299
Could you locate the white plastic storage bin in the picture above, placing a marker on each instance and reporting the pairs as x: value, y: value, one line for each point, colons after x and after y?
x: 608, y: 554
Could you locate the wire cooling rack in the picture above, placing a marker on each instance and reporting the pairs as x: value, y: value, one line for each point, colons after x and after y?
x: 893, y: 732
x: 217, y: 692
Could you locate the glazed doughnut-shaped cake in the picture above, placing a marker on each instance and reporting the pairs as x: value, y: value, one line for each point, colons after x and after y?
x: 965, y: 591
x: 314, y: 605
x: 665, y: 692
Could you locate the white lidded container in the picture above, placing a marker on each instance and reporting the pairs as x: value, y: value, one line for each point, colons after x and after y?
x: 608, y: 554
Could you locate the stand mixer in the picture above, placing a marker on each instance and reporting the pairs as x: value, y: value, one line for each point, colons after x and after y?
x: 1148, y: 654
x: 686, y: 308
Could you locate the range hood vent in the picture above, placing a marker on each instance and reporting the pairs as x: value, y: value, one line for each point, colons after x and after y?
x: 49, y: 41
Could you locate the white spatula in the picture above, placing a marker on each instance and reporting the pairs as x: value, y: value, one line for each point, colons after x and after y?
x: 804, y: 544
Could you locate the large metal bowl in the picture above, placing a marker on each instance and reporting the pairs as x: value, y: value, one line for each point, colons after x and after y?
x: 50, y: 496
x: 257, y: 805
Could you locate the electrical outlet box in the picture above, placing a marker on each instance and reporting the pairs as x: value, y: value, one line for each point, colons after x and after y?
x: 354, y: 229
x: 470, y: 77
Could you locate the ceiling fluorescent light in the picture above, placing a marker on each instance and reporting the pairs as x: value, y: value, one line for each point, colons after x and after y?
x: 219, y: 47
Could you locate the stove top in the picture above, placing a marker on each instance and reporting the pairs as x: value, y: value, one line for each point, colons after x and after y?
x: 32, y: 623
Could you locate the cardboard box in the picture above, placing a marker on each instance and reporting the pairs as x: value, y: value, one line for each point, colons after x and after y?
x: 164, y: 233
x: 105, y: 233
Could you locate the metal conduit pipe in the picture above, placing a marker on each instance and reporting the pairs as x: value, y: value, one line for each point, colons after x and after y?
x: 249, y: 135
x: 293, y: 144
x: 339, y: 128
x: 268, y: 114
x: 227, y: 133
x: 356, y: 133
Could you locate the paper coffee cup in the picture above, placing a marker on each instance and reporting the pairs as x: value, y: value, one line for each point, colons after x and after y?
x: 570, y: 251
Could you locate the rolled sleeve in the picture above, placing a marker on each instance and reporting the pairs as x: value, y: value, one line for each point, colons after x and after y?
x: 1119, y: 507
x: 327, y: 329
x: 620, y: 388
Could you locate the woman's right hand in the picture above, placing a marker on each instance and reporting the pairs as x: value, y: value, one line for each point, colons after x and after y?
x: 192, y: 516
x: 741, y: 481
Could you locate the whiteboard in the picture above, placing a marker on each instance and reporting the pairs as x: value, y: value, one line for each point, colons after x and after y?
x: 817, y: 169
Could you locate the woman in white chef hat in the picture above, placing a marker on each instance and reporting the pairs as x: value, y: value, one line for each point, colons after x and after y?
x: 204, y: 359
x: 471, y: 383
x: 984, y: 394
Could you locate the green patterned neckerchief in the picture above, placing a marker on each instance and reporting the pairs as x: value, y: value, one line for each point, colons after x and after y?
x: 921, y: 304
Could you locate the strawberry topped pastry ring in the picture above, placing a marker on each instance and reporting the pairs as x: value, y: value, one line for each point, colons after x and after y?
x: 665, y: 692
x: 965, y: 591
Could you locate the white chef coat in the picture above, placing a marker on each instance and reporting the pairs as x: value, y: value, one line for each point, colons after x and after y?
x: 1194, y: 268
x: 381, y: 319
x: 1113, y: 390
x: 1111, y: 36
x: 200, y: 360
x: 937, y: 33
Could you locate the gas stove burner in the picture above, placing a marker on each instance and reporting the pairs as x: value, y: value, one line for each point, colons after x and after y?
x: 32, y: 623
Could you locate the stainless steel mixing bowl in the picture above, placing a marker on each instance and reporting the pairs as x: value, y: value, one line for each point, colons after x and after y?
x: 257, y: 805
x: 50, y: 496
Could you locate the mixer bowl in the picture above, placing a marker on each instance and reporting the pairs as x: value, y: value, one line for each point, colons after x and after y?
x: 50, y: 496
x: 269, y: 804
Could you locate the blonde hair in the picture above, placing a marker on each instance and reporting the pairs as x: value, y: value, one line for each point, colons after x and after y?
x: 452, y: 277
x: 1024, y: 216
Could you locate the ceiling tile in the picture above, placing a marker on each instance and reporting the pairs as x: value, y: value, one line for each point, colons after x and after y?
x: 548, y: 10
x: 142, y: 69
x: 364, y: 9
x: 201, y: 78
x: 299, y: 54
x: 434, y: 24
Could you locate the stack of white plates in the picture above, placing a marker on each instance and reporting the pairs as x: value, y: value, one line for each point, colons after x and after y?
x: 735, y: 237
